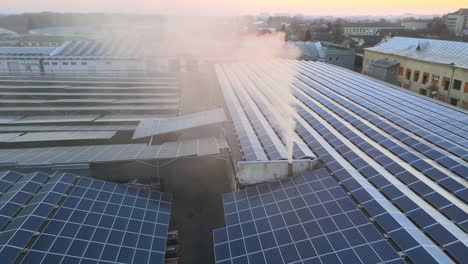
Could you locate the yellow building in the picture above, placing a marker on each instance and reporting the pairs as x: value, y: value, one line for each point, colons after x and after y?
x: 435, y: 68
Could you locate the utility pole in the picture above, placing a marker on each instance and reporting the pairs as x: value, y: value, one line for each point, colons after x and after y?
x: 451, y: 82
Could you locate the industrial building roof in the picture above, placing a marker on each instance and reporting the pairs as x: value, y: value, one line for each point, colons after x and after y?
x: 26, y: 51
x: 65, y: 218
x: 87, y: 154
x: 402, y: 157
x: 86, y: 48
x: 429, y: 50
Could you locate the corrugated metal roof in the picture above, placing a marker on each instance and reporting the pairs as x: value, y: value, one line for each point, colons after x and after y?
x: 431, y: 50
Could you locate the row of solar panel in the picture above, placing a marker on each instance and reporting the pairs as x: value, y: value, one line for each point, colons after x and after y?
x: 445, y: 140
x: 249, y: 142
x: 403, y: 238
x: 442, y: 116
x: 265, y: 107
x: 101, y: 48
x: 106, y: 153
x: 421, y: 165
x: 305, y: 219
x: 414, y: 143
x: 318, y: 110
x: 116, y: 224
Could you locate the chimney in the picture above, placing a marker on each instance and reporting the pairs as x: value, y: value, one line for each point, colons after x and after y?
x: 290, y: 169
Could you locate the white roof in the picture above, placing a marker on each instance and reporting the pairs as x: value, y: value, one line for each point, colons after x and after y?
x: 431, y: 50
x: 26, y: 50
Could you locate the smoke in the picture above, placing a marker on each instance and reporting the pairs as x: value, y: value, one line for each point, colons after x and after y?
x: 231, y: 39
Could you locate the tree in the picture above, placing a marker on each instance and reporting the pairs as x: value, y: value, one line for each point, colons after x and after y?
x: 29, y: 23
x: 438, y: 27
x: 308, y: 35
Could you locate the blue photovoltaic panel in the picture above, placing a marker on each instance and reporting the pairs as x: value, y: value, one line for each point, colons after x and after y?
x: 66, y: 219
x: 307, y: 218
x: 401, y: 156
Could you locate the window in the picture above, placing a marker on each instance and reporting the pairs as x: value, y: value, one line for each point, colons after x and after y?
x: 457, y: 84
x: 337, y: 58
x: 400, y: 70
x: 46, y: 63
x: 416, y: 76
x: 84, y: 63
x: 64, y: 63
x: 73, y: 63
x: 54, y: 63
x: 435, y: 77
x: 425, y: 78
x: 330, y: 58
x: 453, y: 101
x: 408, y: 74
x: 108, y: 63
x: 446, y: 83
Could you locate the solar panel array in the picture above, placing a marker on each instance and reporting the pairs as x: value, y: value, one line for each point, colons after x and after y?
x: 51, y: 111
x: 304, y: 219
x: 403, y: 157
x: 64, y: 218
x: 50, y: 156
x: 108, y: 49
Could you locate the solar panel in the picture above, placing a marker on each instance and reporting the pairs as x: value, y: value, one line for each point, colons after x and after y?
x: 61, y: 136
x: 66, y: 218
x: 407, y: 169
x: 67, y: 128
x: 55, y: 119
x: 107, y: 153
x: 152, y: 127
x: 8, y: 119
x: 302, y: 219
x: 5, y: 137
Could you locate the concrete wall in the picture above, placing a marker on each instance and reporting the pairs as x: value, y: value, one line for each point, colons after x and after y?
x: 31, y: 66
x: 389, y: 75
x: 345, y: 57
x: 443, y: 71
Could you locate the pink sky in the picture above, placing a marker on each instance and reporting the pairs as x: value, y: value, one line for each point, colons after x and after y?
x: 234, y: 7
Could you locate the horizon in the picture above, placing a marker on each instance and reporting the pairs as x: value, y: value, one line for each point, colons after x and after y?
x: 334, y: 8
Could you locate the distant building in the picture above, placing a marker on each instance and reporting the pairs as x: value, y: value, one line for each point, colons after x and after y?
x: 457, y: 22
x: 326, y: 52
x: 367, y: 29
x: 115, y: 58
x: 385, y: 70
x: 415, y: 25
x: 437, y: 68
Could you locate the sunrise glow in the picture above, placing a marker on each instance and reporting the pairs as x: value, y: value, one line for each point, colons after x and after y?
x: 235, y: 7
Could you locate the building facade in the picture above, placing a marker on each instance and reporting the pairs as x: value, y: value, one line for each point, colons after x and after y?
x: 367, y: 29
x: 326, y: 52
x: 433, y: 68
x: 415, y: 25
x: 457, y: 22
x: 110, y: 58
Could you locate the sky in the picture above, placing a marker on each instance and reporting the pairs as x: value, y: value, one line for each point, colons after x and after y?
x: 236, y: 7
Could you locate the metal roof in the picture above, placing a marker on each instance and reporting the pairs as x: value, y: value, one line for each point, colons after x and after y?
x: 430, y: 50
